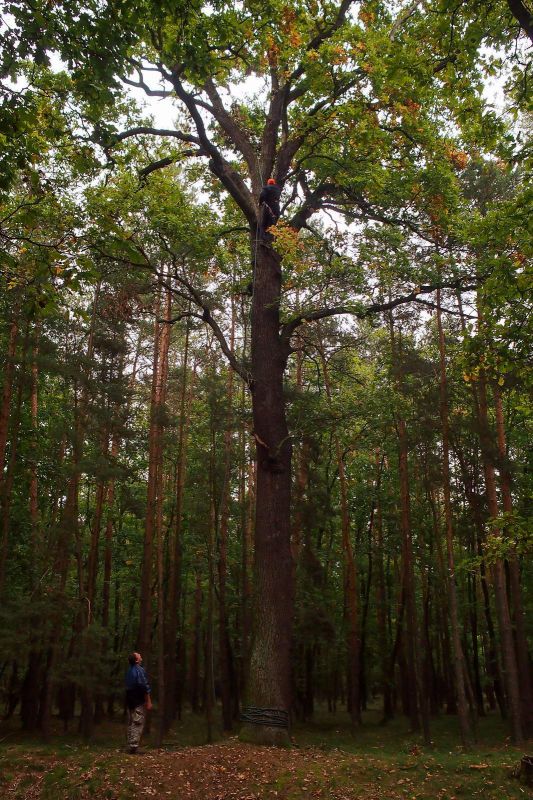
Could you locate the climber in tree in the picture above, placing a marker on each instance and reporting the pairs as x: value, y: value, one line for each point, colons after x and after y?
x: 268, y: 207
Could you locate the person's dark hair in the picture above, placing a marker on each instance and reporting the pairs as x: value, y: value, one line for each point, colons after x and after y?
x: 131, y: 659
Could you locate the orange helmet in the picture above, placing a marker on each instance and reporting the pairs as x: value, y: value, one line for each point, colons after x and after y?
x: 271, y: 182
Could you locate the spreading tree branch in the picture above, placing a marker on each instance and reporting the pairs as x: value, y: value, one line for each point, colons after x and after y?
x: 145, y: 130
x: 218, y: 165
x: 288, y: 328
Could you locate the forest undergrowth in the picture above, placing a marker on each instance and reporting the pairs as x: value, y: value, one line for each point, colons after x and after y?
x: 326, y: 761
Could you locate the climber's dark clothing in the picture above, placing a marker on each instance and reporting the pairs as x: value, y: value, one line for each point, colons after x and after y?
x: 270, y: 195
x: 269, y: 207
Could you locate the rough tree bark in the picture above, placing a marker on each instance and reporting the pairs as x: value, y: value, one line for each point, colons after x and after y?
x: 269, y: 681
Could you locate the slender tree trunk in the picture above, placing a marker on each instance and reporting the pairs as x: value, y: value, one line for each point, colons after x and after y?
x: 209, y: 699
x: 6, y: 481
x: 68, y: 532
x: 87, y: 611
x: 474, y: 502
x: 34, y: 496
x: 458, y: 659
x: 196, y: 635
x: 522, y: 651
x: 510, y: 673
x: 175, y: 546
x: 417, y: 695
x: 351, y: 597
x: 161, y: 394
x: 145, y: 612
x: 224, y: 644
x: 302, y: 473
x: 7, y: 391
x: 248, y: 506
x: 269, y: 679
x: 381, y: 599
x: 443, y: 612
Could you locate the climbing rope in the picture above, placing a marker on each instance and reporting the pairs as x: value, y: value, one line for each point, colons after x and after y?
x: 270, y: 717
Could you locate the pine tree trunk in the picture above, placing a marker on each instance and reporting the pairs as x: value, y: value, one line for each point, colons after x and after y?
x: 492, y: 664
x: 68, y: 532
x: 302, y: 471
x: 6, y: 481
x: 351, y: 596
x: 37, y: 548
x: 209, y: 699
x: 510, y: 672
x: 416, y: 691
x: 145, y: 611
x: 458, y: 659
x: 29, y: 698
x: 7, y: 391
x: 196, y: 635
x: 175, y: 545
x: 381, y: 599
x: 224, y: 644
x: 522, y: 651
x: 158, y: 533
x: 247, y: 528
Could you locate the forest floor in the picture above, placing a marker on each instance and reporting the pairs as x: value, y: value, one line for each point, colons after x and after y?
x: 326, y: 762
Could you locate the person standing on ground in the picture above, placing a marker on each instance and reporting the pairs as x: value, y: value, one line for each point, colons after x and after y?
x: 138, y: 700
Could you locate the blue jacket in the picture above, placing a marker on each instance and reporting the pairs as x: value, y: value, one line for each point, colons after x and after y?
x: 137, y: 686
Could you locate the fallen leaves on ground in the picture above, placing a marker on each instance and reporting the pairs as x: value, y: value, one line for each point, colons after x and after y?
x: 235, y: 771
x: 232, y: 771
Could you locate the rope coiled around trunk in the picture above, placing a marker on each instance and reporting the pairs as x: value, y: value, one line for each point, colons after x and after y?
x: 271, y: 717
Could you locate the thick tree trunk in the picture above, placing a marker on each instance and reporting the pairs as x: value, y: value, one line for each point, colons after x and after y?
x: 269, y: 678
x: 458, y: 659
x: 523, y: 15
